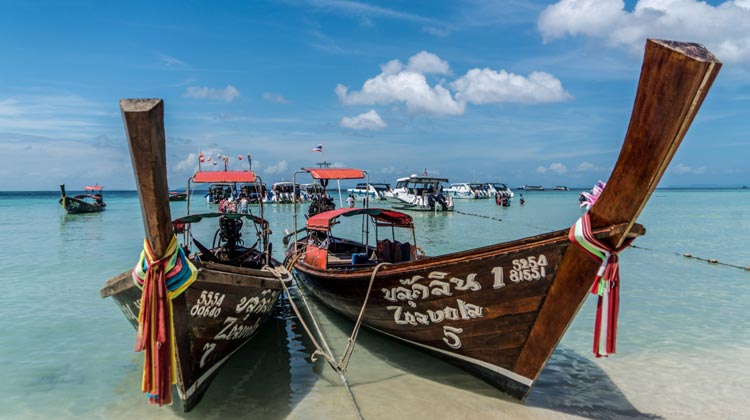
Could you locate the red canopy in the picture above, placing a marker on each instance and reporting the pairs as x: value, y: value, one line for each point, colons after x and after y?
x: 92, y: 188
x: 224, y: 176
x: 335, y: 173
x: 324, y: 221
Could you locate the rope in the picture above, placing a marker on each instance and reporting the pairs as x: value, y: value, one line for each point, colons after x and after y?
x: 160, y: 281
x: 691, y: 256
x: 353, y: 338
x: 478, y: 215
x: 606, y: 284
x: 327, y: 353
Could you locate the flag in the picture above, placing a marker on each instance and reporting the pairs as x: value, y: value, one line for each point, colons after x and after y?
x: 318, y: 148
x: 200, y: 157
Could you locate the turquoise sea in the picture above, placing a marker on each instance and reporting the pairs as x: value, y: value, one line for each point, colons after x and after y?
x: 683, y: 342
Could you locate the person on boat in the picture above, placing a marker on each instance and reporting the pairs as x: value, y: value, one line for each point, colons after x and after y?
x: 350, y: 201
x: 243, y: 204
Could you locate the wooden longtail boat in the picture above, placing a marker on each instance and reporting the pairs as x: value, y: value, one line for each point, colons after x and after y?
x: 234, y: 288
x: 500, y: 310
x: 88, y: 202
x: 177, y: 196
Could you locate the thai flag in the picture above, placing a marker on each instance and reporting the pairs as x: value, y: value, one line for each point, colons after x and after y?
x: 318, y: 148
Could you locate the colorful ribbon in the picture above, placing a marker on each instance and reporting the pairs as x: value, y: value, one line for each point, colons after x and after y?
x: 606, y: 284
x: 160, y: 281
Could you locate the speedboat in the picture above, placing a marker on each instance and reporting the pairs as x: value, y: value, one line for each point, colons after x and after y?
x: 376, y: 190
x: 420, y: 193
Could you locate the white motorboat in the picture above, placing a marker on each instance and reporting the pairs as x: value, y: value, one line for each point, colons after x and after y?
x: 375, y: 190
x: 496, y: 188
x: 420, y: 193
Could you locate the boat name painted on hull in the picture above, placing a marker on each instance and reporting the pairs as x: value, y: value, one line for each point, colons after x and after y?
x: 530, y: 268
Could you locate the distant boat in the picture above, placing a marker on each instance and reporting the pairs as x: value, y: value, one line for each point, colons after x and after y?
x: 532, y: 188
x: 89, y: 202
x: 498, y: 188
x: 561, y: 188
x: 177, y: 196
x: 375, y: 190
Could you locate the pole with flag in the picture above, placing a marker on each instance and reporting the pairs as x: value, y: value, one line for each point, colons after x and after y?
x: 319, y: 148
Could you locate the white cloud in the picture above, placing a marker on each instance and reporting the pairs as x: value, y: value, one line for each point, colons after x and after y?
x: 681, y: 169
x: 724, y: 28
x: 425, y: 62
x: 190, y: 163
x: 280, y: 167
x: 405, y: 86
x: 228, y: 94
x: 367, y: 121
x: 587, y: 167
x: 388, y: 170
x: 275, y: 97
x: 408, y: 85
x: 489, y: 86
x: 554, y: 168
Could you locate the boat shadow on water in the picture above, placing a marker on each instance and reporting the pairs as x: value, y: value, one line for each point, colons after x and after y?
x: 570, y: 383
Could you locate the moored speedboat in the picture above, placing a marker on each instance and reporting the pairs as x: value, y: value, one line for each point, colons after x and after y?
x: 420, y: 193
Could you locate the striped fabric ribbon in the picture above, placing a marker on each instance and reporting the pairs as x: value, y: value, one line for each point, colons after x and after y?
x: 160, y: 281
x: 606, y: 284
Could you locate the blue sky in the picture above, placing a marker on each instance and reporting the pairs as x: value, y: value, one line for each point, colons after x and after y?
x: 522, y: 92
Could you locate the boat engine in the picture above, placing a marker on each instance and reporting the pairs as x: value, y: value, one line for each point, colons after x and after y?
x: 229, y: 233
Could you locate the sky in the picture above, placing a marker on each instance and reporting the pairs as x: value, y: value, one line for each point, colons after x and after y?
x: 521, y: 92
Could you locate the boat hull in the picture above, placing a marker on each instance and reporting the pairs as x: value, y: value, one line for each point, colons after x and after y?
x: 218, y: 314
x: 475, y: 308
x: 73, y: 205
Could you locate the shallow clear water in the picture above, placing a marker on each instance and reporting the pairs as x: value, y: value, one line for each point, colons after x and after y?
x: 683, y: 342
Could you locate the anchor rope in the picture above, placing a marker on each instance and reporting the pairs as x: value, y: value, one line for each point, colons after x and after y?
x: 327, y: 353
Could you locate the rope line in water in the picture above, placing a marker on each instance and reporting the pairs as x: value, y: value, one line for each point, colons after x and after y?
x: 478, y: 215
x: 693, y: 257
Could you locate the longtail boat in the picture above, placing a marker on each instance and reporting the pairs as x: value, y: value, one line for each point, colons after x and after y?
x: 177, y: 196
x: 89, y: 202
x: 499, y: 311
x: 191, y: 310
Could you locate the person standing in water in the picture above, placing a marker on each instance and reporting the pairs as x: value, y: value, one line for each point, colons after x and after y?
x: 522, y: 200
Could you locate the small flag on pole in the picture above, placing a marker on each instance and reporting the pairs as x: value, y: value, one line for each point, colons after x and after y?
x: 318, y: 148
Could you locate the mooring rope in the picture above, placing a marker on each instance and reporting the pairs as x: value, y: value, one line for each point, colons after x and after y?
x: 327, y: 353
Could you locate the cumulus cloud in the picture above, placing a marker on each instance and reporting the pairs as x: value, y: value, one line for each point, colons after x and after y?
x: 278, y: 168
x: 681, y: 169
x: 554, y: 168
x: 190, y: 163
x: 724, y: 28
x: 228, y: 94
x: 367, y: 121
x: 425, y: 62
x: 407, y: 87
x: 587, y: 167
x: 398, y: 83
x: 275, y: 97
x: 487, y: 86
